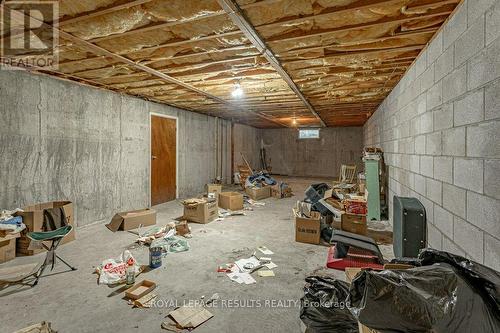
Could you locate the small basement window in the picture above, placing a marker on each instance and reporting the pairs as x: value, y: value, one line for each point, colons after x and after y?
x: 309, y: 133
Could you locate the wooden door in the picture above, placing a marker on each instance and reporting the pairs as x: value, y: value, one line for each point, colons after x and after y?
x: 163, y: 159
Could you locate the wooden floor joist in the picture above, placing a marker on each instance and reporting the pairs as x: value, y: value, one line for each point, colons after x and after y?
x: 233, y: 10
x: 291, y: 59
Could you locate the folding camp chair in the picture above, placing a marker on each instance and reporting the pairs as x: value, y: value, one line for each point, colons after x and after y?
x: 55, y: 238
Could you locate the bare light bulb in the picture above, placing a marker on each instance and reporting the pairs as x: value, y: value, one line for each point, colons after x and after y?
x: 237, y: 92
x: 294, y: 121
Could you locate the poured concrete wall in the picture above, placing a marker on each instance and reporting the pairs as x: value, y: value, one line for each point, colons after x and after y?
x: 60, y: 140
x: 313, y: 157
x: 247, y: 142
x: 440, y: 130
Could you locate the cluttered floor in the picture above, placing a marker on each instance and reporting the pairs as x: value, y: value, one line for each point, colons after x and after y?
x: 74, y: 302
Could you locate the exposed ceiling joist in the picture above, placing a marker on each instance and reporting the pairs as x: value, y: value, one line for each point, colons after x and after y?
x: 390, y: 20
x: 101, y: 11
x: 249, y: 31
x: 174, y: 23
x: 101, y: 51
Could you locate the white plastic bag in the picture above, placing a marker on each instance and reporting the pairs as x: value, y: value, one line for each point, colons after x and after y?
x: 112, y: 271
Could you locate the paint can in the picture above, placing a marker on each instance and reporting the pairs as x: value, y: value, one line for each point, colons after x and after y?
x: 155, y: 257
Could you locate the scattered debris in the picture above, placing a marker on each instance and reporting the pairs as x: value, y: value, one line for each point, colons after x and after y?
x: 242, y: 269
x: 271, y: 265
x: 265, y: 250
x: 266, y: 273
x: 112, y: 271
x: 252, y: 202
x: 241, y: 277
x: 43, y: 327
x: 226, y: 268
x: 248, y: 264
x: 140, y: 289
x: 144, y: 302
x: 186, y: 318
x: 182, y: 228
x: 224, y: 213
x: 171, y: 243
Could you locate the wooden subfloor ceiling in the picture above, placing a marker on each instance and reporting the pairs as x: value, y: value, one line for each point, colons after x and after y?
x: 304, y: 62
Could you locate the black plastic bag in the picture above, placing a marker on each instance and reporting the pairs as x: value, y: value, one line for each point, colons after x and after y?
x: 323, y: 308
x: 484, y: 280
x: 429, y: 298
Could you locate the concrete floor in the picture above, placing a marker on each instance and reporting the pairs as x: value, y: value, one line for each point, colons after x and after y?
x: 73, y: 301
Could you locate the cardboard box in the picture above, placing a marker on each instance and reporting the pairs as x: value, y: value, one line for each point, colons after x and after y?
x: 214, y: 188
x: 202, y: 212
x: 258, y: 193
x: 8, y: 247
x: 132, y: 219
x: 308, y: 230
x: 276, y: 192
x: 354, y: 223
x: 33, y: 219
x: 231, y: 200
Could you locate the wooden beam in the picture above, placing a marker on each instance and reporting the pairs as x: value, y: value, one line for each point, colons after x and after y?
x: 347, y: 54
x: 100, y: 11
x: 156, y: 26
x: 175, y: 57
x: 359, y: 43
x: 238, y: 18
x: 394, y: 20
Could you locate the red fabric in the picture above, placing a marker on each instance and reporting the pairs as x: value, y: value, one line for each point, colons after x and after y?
x: 355, y: 258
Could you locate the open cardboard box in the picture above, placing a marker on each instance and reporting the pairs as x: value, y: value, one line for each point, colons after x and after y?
x: 308, y: 230
x: 132, y: 219
x: 258, y: 193
x: 140, y: 289
x: 202, y: 212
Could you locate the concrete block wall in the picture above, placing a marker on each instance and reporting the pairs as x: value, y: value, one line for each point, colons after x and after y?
x: 313, y: 157
x: 60, y: 140
x: 440, y: 131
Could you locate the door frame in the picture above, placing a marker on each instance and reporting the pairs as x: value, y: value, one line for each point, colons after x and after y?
x: 151, y: 114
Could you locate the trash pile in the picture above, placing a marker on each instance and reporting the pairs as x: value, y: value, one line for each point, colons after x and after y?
x: 259, y: 179
x: 327, y: 208
x: 241, y: 270
x: 442, y: 293
x: 164, y: 237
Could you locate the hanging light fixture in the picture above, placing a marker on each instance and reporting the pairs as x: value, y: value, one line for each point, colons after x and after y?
x: 294, y: 121
x: 237, y: 91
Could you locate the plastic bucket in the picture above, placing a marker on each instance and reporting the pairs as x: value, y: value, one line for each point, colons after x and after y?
x: 155, y: 257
